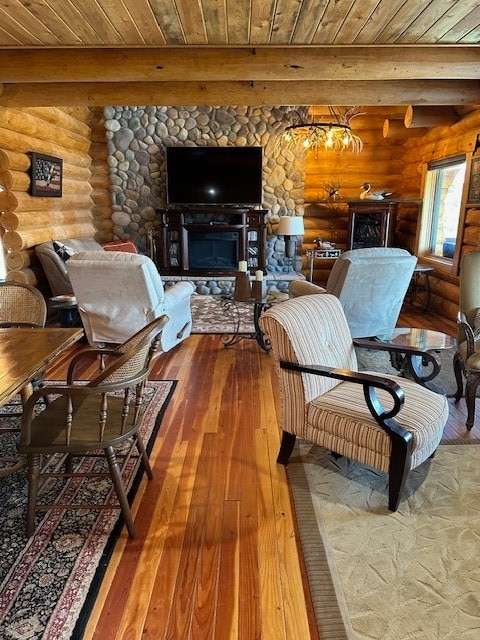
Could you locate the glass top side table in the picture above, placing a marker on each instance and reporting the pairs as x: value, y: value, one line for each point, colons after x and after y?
x: 413, y: 352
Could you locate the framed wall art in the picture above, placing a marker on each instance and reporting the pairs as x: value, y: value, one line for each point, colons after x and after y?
x: 46, y: 175
x: 474, y: 185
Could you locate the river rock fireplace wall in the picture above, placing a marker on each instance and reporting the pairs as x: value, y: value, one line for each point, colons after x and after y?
x: 137, y: 137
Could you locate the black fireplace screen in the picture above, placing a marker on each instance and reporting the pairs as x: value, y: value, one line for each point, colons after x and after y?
x: 212, y: 250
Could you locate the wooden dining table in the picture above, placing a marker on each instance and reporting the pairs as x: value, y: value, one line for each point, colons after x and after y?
x: 24, y: 354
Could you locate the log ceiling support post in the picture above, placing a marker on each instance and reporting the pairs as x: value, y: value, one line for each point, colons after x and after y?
x: 430, y: 116
x: 396, y: 130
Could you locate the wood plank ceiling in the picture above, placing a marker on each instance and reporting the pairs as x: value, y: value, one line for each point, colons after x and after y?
x: 239, y: 51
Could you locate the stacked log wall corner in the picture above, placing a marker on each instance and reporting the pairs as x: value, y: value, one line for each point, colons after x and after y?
x: 26, y: 220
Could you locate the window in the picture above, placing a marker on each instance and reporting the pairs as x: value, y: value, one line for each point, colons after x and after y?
x: 444, y: 186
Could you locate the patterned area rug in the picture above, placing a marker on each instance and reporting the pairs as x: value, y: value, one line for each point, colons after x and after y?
x: 49, y: 582
x: 378, y: 575
x: 210, y: 316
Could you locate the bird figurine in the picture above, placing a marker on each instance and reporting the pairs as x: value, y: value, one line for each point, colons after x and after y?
x: 367, y: 193
x: 323, y: 245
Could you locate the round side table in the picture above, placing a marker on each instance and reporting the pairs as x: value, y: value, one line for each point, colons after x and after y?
x: 420, y: 283
x: 67, y: 310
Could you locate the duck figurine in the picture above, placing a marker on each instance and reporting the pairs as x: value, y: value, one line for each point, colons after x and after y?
x: 367, y: 193
x: 323, y: 245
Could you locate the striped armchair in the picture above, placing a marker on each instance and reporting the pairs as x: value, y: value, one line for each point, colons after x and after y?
x: 389, y: 423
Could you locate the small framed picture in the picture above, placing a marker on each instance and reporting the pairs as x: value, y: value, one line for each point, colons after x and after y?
x: 474, y: 186
x: 46, y: 175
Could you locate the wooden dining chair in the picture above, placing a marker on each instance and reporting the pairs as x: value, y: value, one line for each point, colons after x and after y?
x: 91, y: 419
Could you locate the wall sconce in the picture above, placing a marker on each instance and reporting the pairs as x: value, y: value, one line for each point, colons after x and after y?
x: 290, y: 227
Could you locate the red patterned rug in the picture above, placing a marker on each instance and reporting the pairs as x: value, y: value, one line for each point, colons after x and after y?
x: 48, y: 583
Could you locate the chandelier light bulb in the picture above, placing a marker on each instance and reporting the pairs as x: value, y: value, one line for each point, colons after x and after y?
x: 335, y: 135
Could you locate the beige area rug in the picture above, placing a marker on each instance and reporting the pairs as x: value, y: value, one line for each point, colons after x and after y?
x: 378, y: 575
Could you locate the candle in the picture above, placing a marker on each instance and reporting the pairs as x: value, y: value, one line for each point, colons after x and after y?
x: 259, y: 275
x: 242, y: 265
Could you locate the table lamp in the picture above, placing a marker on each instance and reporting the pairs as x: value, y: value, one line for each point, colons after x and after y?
x: 290, y: 227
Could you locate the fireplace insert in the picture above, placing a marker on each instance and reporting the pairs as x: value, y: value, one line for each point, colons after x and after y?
x: 213, y: 250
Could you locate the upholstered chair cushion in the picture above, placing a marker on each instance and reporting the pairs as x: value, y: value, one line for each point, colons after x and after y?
x: 347, y: 423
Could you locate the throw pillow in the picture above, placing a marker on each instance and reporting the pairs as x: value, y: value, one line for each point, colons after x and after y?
x: 62, y: 250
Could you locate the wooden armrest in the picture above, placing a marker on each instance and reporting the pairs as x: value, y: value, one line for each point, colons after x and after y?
x: 429, y: 356
x: 370, y: 383
x: 468, y: 331
x: 90, y: 353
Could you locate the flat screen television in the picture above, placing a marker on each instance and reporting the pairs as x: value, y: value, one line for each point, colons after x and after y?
x: 214, y: 175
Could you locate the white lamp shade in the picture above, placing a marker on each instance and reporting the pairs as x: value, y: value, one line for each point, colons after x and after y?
x: 290, y: 226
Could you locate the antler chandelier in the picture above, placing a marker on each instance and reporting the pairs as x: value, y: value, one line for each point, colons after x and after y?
x: 334, y: 134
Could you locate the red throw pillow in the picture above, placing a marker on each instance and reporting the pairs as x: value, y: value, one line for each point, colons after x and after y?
x: 121, y: 245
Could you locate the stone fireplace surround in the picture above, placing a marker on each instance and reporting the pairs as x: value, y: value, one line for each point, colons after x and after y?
x: 136, y: 139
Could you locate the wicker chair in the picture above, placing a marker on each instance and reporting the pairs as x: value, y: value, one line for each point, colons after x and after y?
x: 86, y: 420
x: 389, y: 423
x: 21, y: 304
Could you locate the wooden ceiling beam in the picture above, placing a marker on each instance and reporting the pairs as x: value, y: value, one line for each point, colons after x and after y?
x: 262, y: 63
x: 400, y: 92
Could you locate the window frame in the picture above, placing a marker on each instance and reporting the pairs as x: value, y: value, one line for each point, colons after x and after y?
x: 447, y: 265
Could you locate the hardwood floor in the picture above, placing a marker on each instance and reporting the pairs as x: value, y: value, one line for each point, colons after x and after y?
x: 216, y: 554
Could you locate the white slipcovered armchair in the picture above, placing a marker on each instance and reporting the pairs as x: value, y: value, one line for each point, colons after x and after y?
x: 118, y: 293
x: 371, y: 285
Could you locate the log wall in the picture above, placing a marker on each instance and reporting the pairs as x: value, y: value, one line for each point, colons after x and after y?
x: 441, y: 142
x: 380, y: 163
x: 100, y: 180
x: 77, y: 135
x: 26, y: 220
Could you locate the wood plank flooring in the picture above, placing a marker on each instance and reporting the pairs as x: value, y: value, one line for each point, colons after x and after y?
x: 216, y: 555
